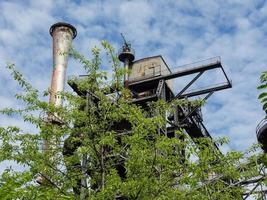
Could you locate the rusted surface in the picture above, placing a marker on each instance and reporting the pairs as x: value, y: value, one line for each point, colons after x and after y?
x: 126, y: 75
x: 148, y: 68
x: 62, y: 34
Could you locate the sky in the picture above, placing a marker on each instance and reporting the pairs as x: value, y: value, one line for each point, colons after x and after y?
x: 182, y: 32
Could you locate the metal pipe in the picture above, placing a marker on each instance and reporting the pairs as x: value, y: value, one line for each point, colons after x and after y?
x: 62, y: 34
x: 126, y: 75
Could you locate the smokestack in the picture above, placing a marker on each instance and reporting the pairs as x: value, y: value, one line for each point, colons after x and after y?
x: 62, y: 34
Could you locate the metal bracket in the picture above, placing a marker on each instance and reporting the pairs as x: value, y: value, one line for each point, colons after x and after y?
x: 189, y: 84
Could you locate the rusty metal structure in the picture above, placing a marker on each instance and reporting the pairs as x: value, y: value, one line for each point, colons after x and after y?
x: 151, y: 79
x: 148, y: 79
x: 62, y: 34
x: 127, y: 55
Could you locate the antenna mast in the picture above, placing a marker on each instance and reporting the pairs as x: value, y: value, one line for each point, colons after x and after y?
x: 123, y: 39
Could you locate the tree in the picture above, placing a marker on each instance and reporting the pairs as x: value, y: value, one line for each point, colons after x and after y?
x: 263, y: 86
x: 125, y: 155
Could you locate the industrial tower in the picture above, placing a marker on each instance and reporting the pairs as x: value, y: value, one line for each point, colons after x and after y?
x: 149, y: 79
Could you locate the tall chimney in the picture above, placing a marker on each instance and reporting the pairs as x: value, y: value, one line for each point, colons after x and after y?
x: 62, y: 34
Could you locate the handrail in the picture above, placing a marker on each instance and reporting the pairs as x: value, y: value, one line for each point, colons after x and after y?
x: 200, y: 63
x: 123, y: 50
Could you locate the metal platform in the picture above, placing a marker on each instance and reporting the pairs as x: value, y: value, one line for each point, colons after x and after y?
x: 199, y: 70
x: 153, y: 88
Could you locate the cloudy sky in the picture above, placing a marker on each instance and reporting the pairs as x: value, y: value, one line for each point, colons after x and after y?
x: 182, y: 32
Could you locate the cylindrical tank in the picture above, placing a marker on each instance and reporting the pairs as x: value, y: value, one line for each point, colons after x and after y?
x: 62, y: 34
x: 261, y: 132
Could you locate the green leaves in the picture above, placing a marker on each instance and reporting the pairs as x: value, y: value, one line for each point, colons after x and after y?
x: 126, y: 151
x: 263, y: 86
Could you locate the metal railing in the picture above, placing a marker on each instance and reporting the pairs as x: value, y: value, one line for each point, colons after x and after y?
x: 209, y: 61
x: 125, y: 49
x: 201, y: 63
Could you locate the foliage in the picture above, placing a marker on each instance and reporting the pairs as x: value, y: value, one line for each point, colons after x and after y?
x: 263, y: 87
x: 157, y: 167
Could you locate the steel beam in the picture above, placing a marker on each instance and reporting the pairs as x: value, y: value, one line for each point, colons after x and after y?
x: 205, y: 91
x: 178, y: 74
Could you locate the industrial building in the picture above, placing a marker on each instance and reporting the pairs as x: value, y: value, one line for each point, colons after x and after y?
x: 150, y: 79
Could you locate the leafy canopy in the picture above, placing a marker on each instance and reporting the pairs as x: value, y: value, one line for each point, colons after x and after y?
x: 157, y: 167
x: 263, y: 88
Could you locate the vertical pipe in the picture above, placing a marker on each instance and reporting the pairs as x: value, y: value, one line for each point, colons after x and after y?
x: 62, y: 34
x: 126, y: 75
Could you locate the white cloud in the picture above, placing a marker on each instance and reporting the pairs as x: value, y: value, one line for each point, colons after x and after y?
x: 182, y: 31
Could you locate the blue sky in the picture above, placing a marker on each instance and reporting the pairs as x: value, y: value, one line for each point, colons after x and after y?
x: 181, y: 31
